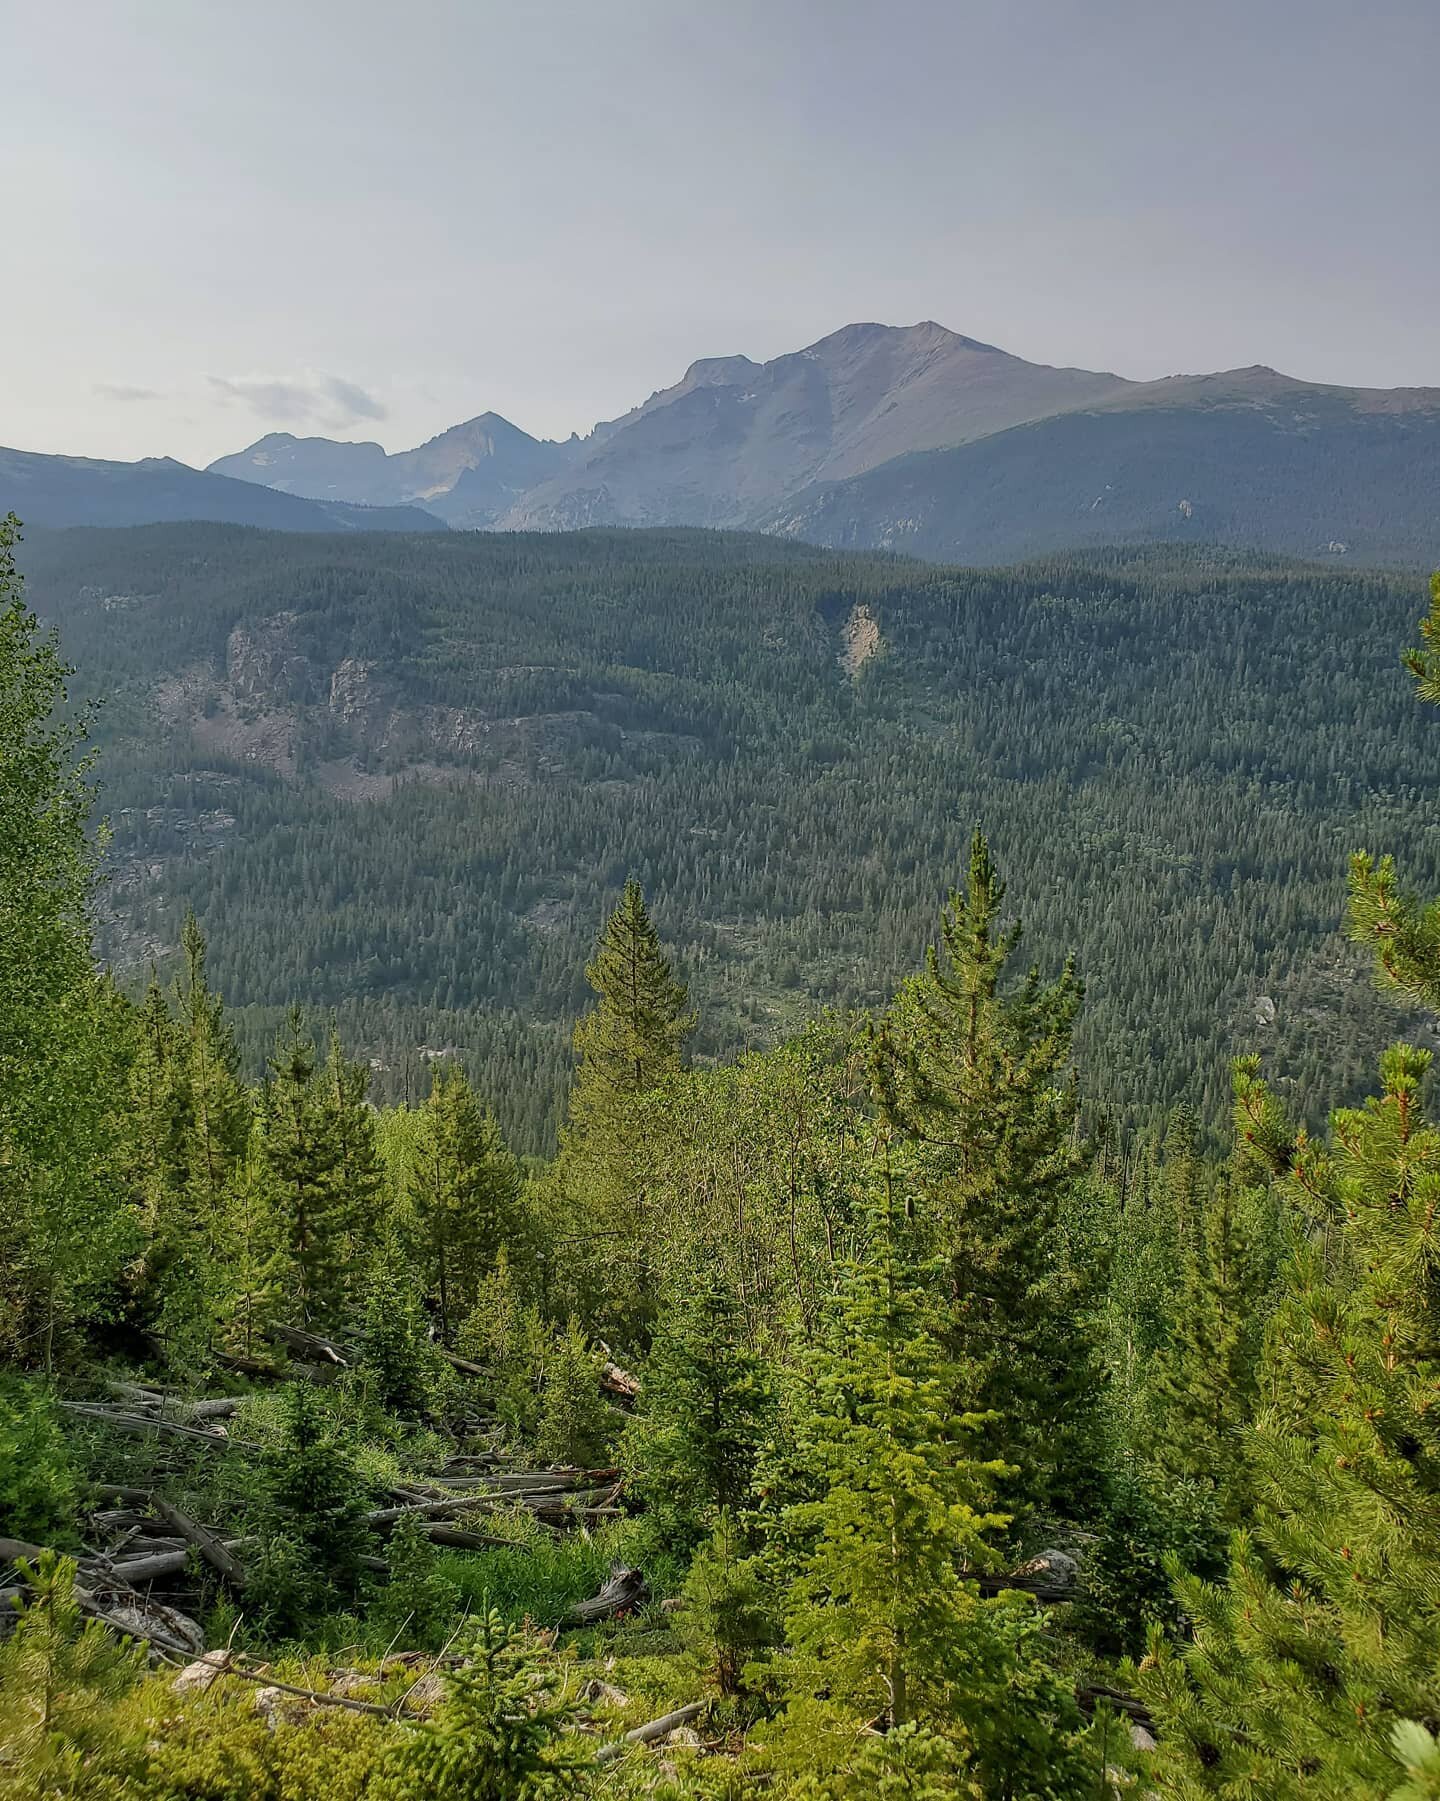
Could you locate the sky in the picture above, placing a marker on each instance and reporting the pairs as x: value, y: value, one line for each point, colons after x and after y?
x: 372, y: 220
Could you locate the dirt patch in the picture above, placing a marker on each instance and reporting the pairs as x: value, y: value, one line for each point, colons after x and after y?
x: 859, y: 640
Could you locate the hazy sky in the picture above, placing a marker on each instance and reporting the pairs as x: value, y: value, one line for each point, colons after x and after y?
x: 373, y: 219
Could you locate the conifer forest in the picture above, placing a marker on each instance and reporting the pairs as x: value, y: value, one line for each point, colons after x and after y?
x: 668, y: 1164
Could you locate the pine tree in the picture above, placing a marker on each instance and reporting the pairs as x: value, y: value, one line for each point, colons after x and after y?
x: 57, y: 1671
x: 630, y: 1042
x: 464, y: 1190
x: 576, y: 1423
x: 1403, y: 932
x: 506, y: 1335
x: 66, y: 1223
x: 634, y: 1036
x: 1205, y: 1379
x: 303, y: 1162
x: 1326, y: 1635
x: 357, y: 1155
x: 883, y: 1619
x: 188, y: 1279
x: 704, y: 1410
x: 976, y: 1076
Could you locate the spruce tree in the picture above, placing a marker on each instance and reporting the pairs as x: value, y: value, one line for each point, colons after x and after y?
x: 66, y: 1222
x: 976, y: 1075
x: 705, y: 1406
x: 188, y: 1278
x: 357, y: 1167
x: 464, y: 1190
x: 630, y: 1042
x: 884, y: 1621
x: 303, y: 1163
x: 1205, y: 1378
x: 1326, y: 1635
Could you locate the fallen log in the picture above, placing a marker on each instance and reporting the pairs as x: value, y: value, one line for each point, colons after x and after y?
x: 459, y: 1539
x: 140, y: 1422
x: 312, y: 1342
x: 127, y: 1497
x: 653, y: 1729
x: 209, y: 1547
x: 626, y: 1588
x: 13, y: 1549
x: 1089, y: 1693
x: 616, y: 1381
x: 132, y: 1570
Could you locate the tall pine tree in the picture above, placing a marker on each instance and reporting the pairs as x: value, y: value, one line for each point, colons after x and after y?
x: 976, y: 1075
x: 1326, y: 1635
x: 630, y: 1042
x: 464, y: 1189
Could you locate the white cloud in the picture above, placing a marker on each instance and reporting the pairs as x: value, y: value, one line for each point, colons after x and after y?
x: 309, y: 398
x: 123, y: 391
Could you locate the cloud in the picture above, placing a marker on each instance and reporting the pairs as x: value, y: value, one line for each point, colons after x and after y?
x: 122, y: 391
x: 311, y: 398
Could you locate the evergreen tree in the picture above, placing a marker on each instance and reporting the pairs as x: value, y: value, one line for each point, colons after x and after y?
x: 303, y: 1163
x: 630, y: 1042
x: 65, y: 1221
x: 57, y: 1672
x: 506, y: 1335
x: 1326, y: 1635
x: 398, y: 1365
x: 500, y: 1732
x: 464, y: 1192
x: 206, y: 1109
x: 976, y: 1075
x: 357, y: 1155
x: 883, y: 1620
x: 1205, y: 1378
x: 704, y: 1410
x: 315, y: 1539
x: 576, y: 1423
x: 634, y: 1036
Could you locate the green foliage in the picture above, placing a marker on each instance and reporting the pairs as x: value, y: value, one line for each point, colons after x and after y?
x: 56, y: 1674
x: 64, y: 1227
x: 498, y: 1733
x: 878, y: 1607
x: 38, y: 1483
x: 506, y: 1336
x: 576, y: 1425
x: 314, y: 1528
x: 627, y: 1045
x: 704, y: 1411
x: 464, y: 1190
x: 977, y: 1076
x: 1326, y: 1632
x: 398, y: 1367
x: 418, y: 1604
x: 728, y: 1609
x: 1149, y: 1526
x: 322, y: 1167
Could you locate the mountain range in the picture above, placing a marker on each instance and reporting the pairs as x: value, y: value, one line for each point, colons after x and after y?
x: 912, y: 439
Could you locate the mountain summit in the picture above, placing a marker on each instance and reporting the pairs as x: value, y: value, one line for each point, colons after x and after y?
x: 467, y: 475
x: 910, y: 438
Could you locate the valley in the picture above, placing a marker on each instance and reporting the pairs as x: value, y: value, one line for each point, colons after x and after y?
x: 400, y: 779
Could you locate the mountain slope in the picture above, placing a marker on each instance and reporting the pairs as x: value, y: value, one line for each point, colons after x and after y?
x: 734, y: 437
x: 62, y: 491
x: 1309, y: 473
x: 920, y: 439
x: 400, y: 779
x: 468, y: 475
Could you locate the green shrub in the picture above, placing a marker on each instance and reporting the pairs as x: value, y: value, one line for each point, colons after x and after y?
x: 37, y: 1474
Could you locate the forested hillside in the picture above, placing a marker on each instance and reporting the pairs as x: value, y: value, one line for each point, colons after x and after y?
x: 402, y: 779
x: 835, y: 1421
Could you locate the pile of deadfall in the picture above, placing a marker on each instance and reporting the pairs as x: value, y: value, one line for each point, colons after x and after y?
x: 138, y: 1572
